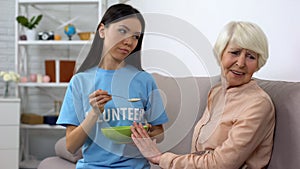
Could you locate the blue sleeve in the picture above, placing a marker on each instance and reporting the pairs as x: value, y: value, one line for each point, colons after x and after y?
x: 155, y: 110
x: 71, y: 112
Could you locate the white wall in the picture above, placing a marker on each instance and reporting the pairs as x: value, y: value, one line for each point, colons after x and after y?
x: 7, y: 36
x: 278, y: 18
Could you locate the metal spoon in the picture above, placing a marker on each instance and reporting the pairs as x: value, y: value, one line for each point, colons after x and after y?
x: 130, y: 99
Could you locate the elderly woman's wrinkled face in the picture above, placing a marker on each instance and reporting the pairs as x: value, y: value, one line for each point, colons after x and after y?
x: 238, y: 65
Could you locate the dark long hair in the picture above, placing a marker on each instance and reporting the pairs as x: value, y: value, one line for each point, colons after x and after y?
x: 114, y: 14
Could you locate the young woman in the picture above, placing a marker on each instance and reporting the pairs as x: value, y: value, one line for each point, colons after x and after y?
x: 112, y: 68
x: 237, y: 127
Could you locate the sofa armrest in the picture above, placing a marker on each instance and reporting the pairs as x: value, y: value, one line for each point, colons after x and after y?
x: 61, y: 151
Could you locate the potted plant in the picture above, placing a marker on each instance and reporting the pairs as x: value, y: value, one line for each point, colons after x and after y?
x: 30, y: 25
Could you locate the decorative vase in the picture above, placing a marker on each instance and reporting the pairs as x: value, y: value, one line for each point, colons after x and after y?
x: 30, y: 34
x: 6, y: 89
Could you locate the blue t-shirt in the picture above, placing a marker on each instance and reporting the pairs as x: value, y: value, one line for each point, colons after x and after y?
x: 98, y: 151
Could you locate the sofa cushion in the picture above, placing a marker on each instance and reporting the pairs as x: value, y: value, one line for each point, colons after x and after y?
x: 61, y: 151
x: 286, y: 97
x: 185, y: 100
x: 56, y: 163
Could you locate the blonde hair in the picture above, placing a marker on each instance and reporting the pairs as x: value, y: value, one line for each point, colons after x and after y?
x: 246, y: 35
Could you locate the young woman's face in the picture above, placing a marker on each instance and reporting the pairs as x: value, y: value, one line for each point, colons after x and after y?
x: 120, y: 38
x: 238, y: 65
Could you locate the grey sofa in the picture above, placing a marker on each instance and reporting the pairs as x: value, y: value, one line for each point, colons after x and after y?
x: 185, y: 100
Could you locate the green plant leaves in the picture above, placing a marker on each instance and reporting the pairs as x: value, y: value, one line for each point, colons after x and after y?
x: 30, y: 24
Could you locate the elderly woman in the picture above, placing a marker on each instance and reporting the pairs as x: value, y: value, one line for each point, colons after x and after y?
x: 236, y: 129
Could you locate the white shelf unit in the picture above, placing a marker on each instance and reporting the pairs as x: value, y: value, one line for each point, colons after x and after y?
x: 27, y: 62
x: 24, y: 61
x: 56, y: 1
x: 42, y: 126
x: 52, y: 42
x: 43, y: 84
x: 31, y: 54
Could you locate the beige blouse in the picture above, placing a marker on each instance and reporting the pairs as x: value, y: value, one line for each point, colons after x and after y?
x: 235, y: 131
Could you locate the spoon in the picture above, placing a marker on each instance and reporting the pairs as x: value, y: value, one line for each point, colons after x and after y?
x: 130, y: 99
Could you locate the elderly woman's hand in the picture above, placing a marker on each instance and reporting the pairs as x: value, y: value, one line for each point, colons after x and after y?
x: 98, y: 99
x: 144, y: 143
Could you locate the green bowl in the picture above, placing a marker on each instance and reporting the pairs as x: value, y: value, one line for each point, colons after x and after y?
x: 119, y: 134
